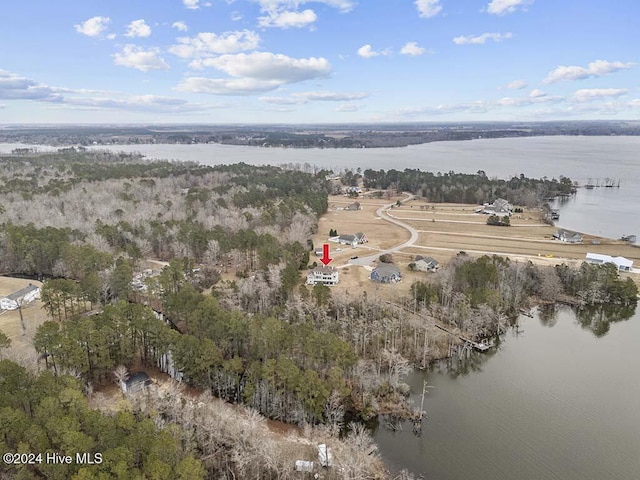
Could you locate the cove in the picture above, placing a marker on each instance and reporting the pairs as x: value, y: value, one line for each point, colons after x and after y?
x: 558, y: 399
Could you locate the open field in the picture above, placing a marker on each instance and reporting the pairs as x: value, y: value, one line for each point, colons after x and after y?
x: 381, y: 234
x: 444, y: 231
x: 33, y: 314
x: 441, y: 231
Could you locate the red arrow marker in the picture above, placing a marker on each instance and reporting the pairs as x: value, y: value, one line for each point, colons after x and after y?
x: 326, y: 259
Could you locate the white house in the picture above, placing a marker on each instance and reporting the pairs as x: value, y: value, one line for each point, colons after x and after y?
x: 426, y: 264
x: 325, y: 275
x: 567, y: 236
x: 499, y: 207
x: 20, y: 298
x: 621, y: 263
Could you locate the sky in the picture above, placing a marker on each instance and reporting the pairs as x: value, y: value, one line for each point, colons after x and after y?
x: 322, y: 61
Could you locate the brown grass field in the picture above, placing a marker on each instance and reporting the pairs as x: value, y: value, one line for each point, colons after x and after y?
x: 34, y: 315
x: 445, y: 230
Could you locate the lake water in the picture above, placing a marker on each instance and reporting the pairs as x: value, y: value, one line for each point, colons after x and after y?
x: 554, y: 402
x: 609, y: 212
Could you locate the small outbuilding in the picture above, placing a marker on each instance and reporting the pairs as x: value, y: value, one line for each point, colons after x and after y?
x: 137, y: 382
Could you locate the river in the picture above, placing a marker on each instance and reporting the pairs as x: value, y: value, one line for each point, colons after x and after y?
x: 554, y: 402
x: 608, y: 212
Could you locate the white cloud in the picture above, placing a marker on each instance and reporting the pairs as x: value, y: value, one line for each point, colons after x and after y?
x: 366, y: 51
x: 535, y: 97
x: 136, y: 57
x: 502, y: 7
x: 516, y: 85
x: 594, y: 69
x: 274, y: 6
x: 332, y: 96
x: 15, y: 87
x: 227, y: 86
x: 138, y: 28
x: 269, y: 66
x: 145, y: 103
x: 236, y: 16
x: 191, y: 4
x: 180, y: 26
x: 206, y: 44
x: 478, y: 106
x: 348, y: 107
x: 253, y: 73
x: 93, y: 27
x: 480, y: 39
x: 428, y: 8
x: 299, y: 98
x: 283, y: 100
x: 287, y: 19
x: 590, y: 94
x: 412, y: 48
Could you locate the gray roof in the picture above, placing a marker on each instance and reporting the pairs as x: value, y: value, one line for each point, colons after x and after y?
x: 324, y: 269
x: 430, y: 260
x: 22, y: 292
x: 348, y: 238
x: 387, y: 270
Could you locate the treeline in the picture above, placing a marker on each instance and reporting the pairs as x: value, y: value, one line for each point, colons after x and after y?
x: 467, y: 188
x: 163, y: 434
x: 480, y: 297
x: 285, y: 371
x: 233, y: 217
x: 47, y: 414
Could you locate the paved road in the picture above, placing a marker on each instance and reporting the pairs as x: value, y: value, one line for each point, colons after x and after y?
x: 381, y: 212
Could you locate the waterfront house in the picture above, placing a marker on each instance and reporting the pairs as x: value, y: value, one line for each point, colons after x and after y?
x: 499, y: 207
x: 386, y: 273
x: 621, y: 263
x: 567, y: 236
x: 324, y: 275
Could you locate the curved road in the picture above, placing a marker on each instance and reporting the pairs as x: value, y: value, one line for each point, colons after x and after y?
x: 381, y: 212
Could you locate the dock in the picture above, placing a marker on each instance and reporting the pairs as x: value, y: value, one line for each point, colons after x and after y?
x: 480, y: 346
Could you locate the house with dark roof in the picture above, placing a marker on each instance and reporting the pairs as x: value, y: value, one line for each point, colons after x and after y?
x: 386, y: 273
x: 137, y: 382
x: 353, y: 207
x: 324, y: 275
x: 348, y: 240
x: 19, y: 298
